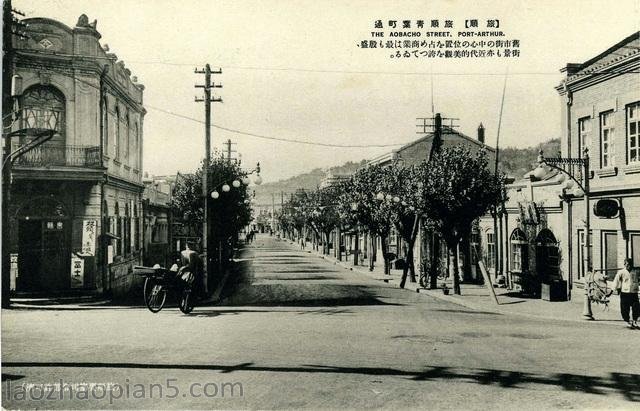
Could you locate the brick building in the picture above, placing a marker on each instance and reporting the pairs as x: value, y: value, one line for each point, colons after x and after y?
x: 76, y: 200
x: 543, y: 231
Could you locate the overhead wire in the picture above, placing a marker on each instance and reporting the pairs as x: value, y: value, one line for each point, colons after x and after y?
x: 246, y: 133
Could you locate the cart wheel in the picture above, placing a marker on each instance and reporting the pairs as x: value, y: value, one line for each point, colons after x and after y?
x: 155, y: 295
x: 186, y: 302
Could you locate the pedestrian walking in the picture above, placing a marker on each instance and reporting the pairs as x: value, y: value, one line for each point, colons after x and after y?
x: 626, y: 284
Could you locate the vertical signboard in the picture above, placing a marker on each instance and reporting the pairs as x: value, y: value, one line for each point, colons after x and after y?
x: 77, y: 272
x: 13, y: 271
x: 89, y: 228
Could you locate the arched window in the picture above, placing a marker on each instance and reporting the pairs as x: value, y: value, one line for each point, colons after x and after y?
x: 116, y: 140
x: 44, y: 107
x: 519, y: 254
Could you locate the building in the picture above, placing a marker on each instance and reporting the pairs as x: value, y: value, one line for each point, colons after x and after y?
x: 157, y: 217
x: 543, y: 235
x: 427, y: 243
x: 75, y: 206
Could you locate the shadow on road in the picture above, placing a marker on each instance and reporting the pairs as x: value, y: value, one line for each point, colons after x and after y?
x: 627, y: 385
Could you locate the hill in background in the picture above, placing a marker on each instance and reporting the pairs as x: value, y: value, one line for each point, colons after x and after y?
x: 515, y: 162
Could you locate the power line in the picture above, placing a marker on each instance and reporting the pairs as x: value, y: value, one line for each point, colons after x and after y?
x: 282, y: 139
x: 244, y: 133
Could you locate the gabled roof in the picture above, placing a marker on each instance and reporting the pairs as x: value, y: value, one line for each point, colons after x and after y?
x: 446, y: 131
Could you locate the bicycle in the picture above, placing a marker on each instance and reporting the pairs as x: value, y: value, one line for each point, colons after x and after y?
x: 598, y: 291
x: 159, y: 282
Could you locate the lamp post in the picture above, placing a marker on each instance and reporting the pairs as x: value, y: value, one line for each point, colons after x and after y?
x: 576, y: 169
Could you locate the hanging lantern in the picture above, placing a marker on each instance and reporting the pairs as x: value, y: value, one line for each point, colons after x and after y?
x: 388, y: 197
x: 258, y: 180
x: 236, y: 183
x: 226, y: 188
x: 215, y: 195
x: 380, y: 196
x: 246, y: 181
x: 396, y: 199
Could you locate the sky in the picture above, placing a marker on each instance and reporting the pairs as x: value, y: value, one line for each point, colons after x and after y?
x: 293, y: 70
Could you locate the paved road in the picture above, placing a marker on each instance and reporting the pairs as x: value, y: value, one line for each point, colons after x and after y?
x: 301, y: 332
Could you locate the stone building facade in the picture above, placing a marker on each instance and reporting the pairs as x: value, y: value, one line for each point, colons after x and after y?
x: 75, y: 209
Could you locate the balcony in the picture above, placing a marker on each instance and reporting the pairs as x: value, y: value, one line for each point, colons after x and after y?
x: 58, y: 155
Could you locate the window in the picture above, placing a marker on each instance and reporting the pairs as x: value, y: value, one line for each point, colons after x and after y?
x: 581, y: 252
x: 126, y: 235
x: 136, y: 147
x: 607, y: 142
x: 633, y: 133
x: 491, y: 251
x: 635, y: 248
x: 105, y: 126
x: 584, y: 135
x: 519, y: 254
x: 117, y: 230
x: 610, y: 253
x: 127, y: 142
x: 44, y: 107
x: 116, y: 140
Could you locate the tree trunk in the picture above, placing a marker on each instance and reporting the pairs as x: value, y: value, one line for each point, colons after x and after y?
x: 456, y: 278
x: 408, y: 265
x: 435, y: 261
x: 338, y: 244
x: 355, y: 249
x: 385, y: 254
x: 328, y: 239
x: 372, y: 251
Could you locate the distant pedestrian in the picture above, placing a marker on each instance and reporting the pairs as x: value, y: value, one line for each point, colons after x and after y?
x: 626, y: 283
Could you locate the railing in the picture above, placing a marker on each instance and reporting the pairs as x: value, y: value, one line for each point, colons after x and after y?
x: 59, y: 155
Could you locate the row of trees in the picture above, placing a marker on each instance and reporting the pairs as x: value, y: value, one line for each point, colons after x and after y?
x: 445, y: 193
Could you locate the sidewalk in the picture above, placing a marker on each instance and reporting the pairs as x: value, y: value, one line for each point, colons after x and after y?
x: 478, y: 297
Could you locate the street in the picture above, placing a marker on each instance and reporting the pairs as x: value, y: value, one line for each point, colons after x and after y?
x: 302, y: 332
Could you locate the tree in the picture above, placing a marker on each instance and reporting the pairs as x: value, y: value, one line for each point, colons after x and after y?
x: 230, y: 212
x: 369, y: 190
x: 457, y: 188
x: 321, y: 213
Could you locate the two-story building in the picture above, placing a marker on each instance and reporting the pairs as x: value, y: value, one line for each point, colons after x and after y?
x: 75, y: 210
x: 543, y: 235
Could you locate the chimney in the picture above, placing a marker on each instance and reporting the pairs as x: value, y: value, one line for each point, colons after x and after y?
x: 481, y: 133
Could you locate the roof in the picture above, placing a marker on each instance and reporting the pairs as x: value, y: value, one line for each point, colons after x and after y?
x: 607, y: 58
x: 446, y: 131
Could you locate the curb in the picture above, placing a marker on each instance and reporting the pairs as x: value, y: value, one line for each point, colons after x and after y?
x: 459, y: 301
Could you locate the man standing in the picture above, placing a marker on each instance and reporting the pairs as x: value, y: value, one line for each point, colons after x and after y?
x: 626, y: 282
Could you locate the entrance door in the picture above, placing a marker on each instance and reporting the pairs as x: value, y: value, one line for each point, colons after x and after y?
x: 30, y: 255
x: 44, y: 258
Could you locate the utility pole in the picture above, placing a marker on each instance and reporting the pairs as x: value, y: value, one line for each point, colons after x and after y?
x: 206, y: 230
x: 228, y: 143
x: 11, y: 89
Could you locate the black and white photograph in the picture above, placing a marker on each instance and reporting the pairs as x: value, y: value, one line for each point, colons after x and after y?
x: 297, y: 204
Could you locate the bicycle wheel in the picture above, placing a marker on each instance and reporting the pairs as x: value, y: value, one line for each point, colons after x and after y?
x: 186, y: 301
x: 155, y: 295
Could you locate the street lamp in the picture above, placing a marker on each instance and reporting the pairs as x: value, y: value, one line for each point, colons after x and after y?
x: 572, y: 167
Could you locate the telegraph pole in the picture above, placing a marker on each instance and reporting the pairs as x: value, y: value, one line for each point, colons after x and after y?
x: 206, y: 230
x: 228, y: 143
